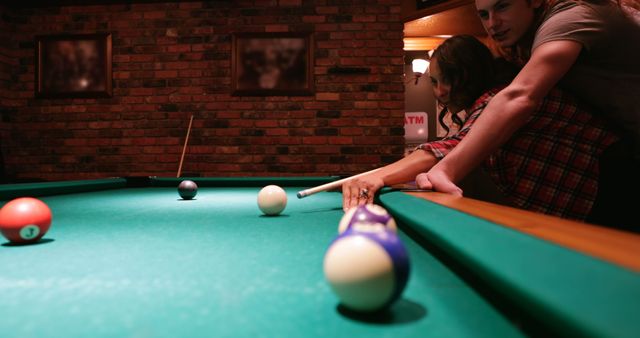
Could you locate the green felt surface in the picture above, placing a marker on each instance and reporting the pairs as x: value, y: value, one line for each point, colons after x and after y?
x: 140, y: 262
x: 575, y: 294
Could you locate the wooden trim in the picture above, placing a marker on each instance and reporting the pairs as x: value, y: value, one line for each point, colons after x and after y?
x: 431, y: 43
x: 413, y: 13
x: 411, y: 44
x: 614, y: 246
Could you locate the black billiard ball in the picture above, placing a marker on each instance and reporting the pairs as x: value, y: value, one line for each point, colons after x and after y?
x: 187, y: 189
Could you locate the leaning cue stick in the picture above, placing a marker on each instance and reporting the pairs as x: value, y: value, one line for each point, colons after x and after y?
x: 184, y: 148
x: 331, y: 185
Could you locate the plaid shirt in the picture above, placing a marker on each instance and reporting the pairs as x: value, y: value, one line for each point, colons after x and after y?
x: 550, y: 165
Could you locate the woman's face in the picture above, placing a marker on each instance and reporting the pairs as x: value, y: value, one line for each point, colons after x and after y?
x: 441, y: 88
x: 507, y: 21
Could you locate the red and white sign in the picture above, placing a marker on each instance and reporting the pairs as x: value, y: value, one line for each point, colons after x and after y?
x: 416, y: 128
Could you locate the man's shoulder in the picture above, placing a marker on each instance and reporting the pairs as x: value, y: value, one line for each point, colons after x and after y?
x: 569, y: 20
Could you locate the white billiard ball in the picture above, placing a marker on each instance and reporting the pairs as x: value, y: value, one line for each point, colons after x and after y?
x: 272, y: 200
x: 365, y: 217
x: 367, y: 270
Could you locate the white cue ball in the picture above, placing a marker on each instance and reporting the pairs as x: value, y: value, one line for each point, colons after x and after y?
x: 272, y: 200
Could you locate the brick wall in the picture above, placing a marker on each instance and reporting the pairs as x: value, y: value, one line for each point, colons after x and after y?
x: 7, y: 63
x: 6, y: 60
x: 172, y: 60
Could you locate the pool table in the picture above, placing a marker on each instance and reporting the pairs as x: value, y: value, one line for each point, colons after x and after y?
x: 126, y: 257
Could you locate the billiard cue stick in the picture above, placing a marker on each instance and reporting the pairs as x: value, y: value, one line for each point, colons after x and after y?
x: 184, y: 148
x: 331, y: 185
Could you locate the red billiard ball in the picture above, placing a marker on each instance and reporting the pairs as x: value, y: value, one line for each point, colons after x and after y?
x: 25, y: 220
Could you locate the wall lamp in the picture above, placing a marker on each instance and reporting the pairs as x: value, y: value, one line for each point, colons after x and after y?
x: 419, y: 67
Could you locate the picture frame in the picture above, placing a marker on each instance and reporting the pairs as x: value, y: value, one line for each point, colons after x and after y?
x: 73, y: 66
x: 272, y: 64
x: 422, y: 4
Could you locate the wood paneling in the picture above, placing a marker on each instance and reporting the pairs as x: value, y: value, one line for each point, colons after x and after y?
x: 618, y: 247
x: 451, y: 18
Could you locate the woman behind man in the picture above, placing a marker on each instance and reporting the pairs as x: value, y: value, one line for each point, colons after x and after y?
x: 550, y: 165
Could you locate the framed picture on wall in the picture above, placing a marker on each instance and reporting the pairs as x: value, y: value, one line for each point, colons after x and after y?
x: 73, y: 66
x: 421, y: 4
x: 269, y: 64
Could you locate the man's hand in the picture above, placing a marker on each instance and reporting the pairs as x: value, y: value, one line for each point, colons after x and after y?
x: 438, y: 181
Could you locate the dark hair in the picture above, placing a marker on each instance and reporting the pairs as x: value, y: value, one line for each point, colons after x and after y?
x: 468, y: 66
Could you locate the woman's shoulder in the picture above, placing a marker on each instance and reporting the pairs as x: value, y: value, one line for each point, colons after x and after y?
x: 484, y: 99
